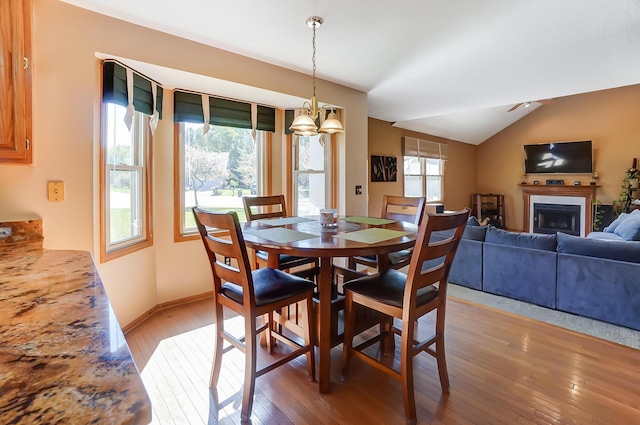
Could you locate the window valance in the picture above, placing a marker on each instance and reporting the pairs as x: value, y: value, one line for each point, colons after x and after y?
x: 223, y: 112
x: 114, y: 89
x: 412, y: 146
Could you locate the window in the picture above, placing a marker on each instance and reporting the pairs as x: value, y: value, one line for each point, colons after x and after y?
x: 125, y: 177
x: 424, y: 163
x: 216, y: 170
x: 311, y: 156
x: 423, y: 177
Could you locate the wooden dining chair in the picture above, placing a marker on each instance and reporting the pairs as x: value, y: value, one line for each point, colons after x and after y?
x: 266, y: 207
x: 260, y: 294
x: 407, y: 297
x: 400, y: 208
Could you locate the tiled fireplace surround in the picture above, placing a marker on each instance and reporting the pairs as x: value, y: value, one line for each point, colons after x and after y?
x: 560, y: 194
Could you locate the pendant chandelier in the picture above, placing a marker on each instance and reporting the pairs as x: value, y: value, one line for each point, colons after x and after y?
x: 305, y: 123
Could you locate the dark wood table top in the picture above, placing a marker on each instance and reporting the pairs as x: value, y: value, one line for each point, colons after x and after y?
x: 325, y: 243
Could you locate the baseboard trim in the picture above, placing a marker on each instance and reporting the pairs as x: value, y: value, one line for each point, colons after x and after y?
x: 153, y: 310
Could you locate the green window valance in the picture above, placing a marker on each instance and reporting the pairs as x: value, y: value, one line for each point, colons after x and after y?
x: 222, y: 112
x: 114, y: 89
x: 289, y: 115
x: 266, y: 118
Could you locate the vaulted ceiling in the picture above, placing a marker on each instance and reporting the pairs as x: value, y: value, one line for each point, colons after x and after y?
x: 448, y: 68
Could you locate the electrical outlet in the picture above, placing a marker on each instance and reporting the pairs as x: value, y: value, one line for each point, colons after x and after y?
x: 56, y: 191
x: 5, y: 232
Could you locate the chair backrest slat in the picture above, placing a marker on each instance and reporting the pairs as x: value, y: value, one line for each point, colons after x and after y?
x: 233, y: 248
x: 261, y: 207
x: 403, y: 208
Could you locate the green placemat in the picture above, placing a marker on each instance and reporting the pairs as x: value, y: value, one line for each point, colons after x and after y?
x: 369, y: 220
x: 281, y: 235
x: 283, y: 221
x: 371, y: 236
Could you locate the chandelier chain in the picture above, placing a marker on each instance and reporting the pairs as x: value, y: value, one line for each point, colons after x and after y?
x: 313, y: 59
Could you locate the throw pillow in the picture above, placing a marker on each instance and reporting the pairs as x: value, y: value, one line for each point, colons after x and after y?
x: 475, y: 233
x: 472, y: 221
x: 629, y: 229
x: 615, y: 223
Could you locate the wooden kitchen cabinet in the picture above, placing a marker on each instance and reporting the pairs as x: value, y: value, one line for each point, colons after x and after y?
x: 16, y: 145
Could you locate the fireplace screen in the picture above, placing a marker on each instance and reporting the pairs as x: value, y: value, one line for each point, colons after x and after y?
x: 552, y: 218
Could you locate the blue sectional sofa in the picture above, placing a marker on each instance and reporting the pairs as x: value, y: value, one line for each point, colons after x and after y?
x: 596, y: 277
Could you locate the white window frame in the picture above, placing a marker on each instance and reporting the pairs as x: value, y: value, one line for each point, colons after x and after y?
x: 296, y: 171
x: 140, y: 200
x: 424, y: 176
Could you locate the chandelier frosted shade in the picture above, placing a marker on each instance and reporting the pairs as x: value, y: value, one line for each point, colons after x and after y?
x: 331, y: 125
x: 303, y: 123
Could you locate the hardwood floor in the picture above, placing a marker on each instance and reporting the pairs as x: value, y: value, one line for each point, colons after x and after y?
x: 504, y: 369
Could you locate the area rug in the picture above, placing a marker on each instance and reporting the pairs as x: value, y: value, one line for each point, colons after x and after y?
x: 617, y: 334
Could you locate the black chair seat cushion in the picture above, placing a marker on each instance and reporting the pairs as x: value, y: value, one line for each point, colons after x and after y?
x: 286, y: 259
x: 388, y: 288
x: 270, y: 285
x: 394, y: 257
x: 400, y: 256
x: 368, y: 257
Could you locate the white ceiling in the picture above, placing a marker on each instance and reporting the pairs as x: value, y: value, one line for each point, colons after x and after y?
x: 450, y: 68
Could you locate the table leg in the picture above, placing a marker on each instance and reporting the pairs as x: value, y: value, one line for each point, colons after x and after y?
x: 273, y: 259
x: 324, y: 337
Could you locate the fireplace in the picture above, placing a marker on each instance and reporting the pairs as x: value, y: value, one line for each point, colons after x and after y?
x: 552, y: 218
x: 568, y: 209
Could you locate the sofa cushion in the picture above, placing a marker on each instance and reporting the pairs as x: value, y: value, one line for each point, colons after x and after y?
x: 615, y: 223
x: 599, y: 288
x: 520, y: 273
x: 522, y: 240
x: 629, y: 229
x: 599, y: 248
x: 604, y: 236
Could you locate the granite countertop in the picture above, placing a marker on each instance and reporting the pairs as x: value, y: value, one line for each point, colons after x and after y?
x: 63, y: 356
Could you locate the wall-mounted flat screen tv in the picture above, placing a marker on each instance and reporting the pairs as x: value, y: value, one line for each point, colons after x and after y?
x: 559, y: 158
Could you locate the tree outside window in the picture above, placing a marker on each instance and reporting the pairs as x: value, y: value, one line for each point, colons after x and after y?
x: 217, y: 169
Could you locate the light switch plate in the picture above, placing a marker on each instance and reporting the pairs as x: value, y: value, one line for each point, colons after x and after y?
x: 56, y: 191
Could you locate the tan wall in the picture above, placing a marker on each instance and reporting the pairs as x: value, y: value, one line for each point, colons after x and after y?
x: 460, y: 180
x: 610, y: 118
x: 66, y: 78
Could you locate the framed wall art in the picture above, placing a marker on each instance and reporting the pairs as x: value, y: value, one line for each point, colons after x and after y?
x: 384, y: 168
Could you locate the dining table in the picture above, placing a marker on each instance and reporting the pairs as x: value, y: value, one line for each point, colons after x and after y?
x: 308, y: 237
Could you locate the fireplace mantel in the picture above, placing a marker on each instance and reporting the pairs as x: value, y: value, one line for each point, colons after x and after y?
x: 586, y: 192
